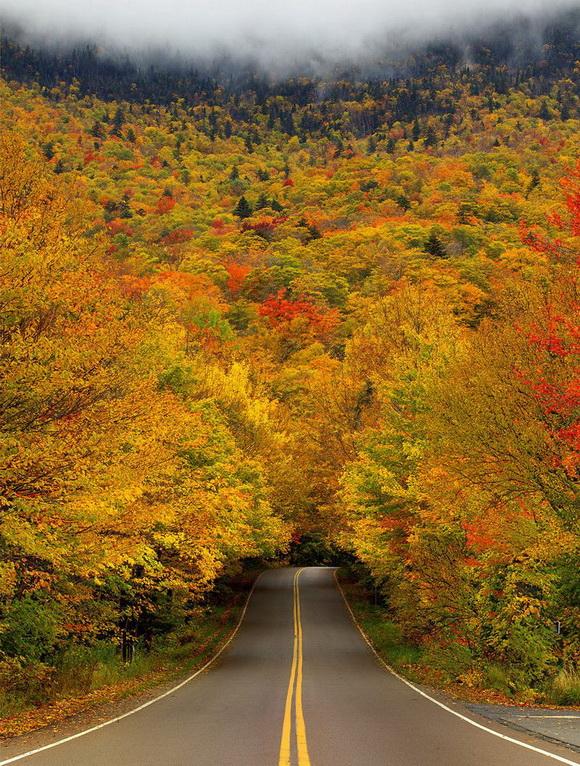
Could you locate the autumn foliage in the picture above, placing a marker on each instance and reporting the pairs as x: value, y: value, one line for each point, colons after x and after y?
x: 379, y: 346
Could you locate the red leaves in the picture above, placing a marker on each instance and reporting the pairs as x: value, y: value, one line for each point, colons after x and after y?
x: 264, y: 226
x: 551, y: 378
x: 165, y: 204
x: 477, y: 539
x: 560, y: 338
x: 539, y: 243
x: 178, y: 236
x: 571, y: 184
x: 557, y: 248
x: 280, y: 309
x: 284, y: 312
x: 118, y: 226
x: 560, y: 402
x: 237, y: 274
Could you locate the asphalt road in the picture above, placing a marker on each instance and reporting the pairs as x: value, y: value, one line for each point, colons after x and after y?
x: 297, y: 687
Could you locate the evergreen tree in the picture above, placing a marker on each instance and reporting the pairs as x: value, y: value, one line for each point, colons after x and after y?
x: 544, y: 113
x: 535, y: 180
x: 430, y: 137
x: 416, y: 133
x: 98, y: 130
x: 435, y: 247
x: 48, y: 150
x: 118, y: 122
x: 243, y: 209
x: 125, y: 207
x: 403, y: 201
x: 262, y: 202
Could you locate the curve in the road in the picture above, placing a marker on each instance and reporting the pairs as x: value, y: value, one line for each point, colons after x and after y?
x: 391, y: 670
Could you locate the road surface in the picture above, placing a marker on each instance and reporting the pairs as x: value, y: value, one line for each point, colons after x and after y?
x: 298, y: 686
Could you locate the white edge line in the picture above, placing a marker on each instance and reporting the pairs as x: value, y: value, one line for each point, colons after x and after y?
x: 145, y: 704
x: 441, y: 704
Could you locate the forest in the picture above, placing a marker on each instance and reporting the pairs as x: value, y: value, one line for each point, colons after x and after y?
x: 235, y: 317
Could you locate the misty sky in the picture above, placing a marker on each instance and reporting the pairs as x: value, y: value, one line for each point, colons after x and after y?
x: 271, y: 30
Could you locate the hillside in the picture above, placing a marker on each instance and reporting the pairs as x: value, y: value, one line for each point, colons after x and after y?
x: 235, y: 316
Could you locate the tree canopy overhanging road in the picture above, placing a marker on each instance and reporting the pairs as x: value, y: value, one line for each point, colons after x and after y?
x: 297, y: 687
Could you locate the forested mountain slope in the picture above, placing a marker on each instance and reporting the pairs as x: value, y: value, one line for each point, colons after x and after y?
x: 242, y: 314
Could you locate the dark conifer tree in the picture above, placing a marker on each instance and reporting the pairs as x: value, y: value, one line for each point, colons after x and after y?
x: 435, y: 247
x: 243, y: 209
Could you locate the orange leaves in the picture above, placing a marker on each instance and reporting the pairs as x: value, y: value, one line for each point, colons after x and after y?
x: 191, y: 285
x: 396, y: 422
x: 237, y: 274
x: 265, y: 226
x: 280, y: 309
x: 165, y: 204
x: 178, y: 236
x: 286, y: 314
x: 134, y: 287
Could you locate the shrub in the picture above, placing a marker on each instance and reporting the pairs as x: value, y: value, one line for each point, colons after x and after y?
x: 496, y: 677
x: 22, y: 682
x: 30, y: 629
x: 452, y: 659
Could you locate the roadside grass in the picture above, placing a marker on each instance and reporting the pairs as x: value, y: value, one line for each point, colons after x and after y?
x: 451, y: 667
x: 88, y: 676
x: 565, y: 688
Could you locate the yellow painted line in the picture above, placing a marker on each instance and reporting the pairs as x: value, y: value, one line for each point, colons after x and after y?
x: 301, y: 741
x: 294, y: 692
x: 285, y: 742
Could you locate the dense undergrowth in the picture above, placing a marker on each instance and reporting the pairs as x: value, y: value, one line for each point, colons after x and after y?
x: 82, y: 677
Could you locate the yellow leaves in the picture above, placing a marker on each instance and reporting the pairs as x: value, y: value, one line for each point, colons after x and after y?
x: 94, y: 446
x: 7, y: 579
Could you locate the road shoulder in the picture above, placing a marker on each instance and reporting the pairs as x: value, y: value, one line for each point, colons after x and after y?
x: 558, y: 725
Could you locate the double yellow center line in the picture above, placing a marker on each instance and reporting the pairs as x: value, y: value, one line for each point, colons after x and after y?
x: 294, y: 693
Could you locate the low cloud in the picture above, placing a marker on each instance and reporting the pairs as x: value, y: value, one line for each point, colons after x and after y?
x: 273, y: 33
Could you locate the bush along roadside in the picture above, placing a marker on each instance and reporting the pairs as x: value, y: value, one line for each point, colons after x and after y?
x: 35, y: 694
x: 448, y: 665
